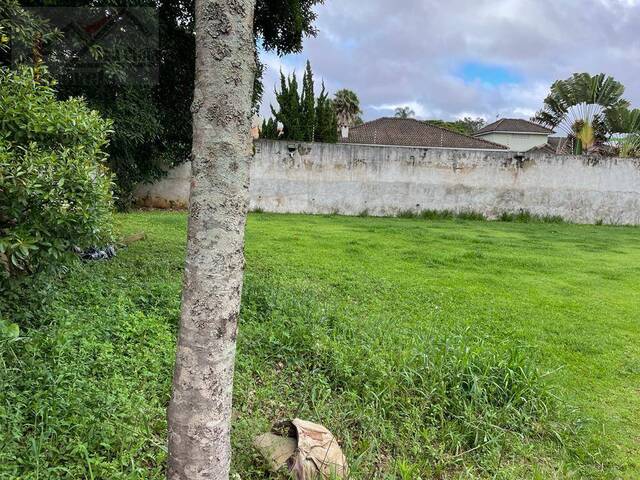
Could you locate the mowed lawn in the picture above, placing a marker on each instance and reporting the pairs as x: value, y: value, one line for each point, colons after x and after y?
x: 432, y: 349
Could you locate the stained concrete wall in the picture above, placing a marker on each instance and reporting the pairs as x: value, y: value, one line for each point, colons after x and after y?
x: 172, y: 191
x: 351, y: 179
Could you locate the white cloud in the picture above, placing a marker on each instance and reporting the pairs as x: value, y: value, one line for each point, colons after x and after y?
x: 390, y: 108
x: 407, y: 53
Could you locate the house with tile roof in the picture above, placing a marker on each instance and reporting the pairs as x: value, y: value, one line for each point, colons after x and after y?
x: 555, y: 146
x: 408, y: 132
x: 517, y: 134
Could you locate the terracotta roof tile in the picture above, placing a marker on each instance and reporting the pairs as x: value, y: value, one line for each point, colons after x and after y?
x: 554, y: 146
x: 409, y: 132
x: 513, y: 125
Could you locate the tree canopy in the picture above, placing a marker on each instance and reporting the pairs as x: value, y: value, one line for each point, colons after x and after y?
x: 580, y: 106
x: 624, y: 124
x: 404, y: 112
x: 466, y: 126
x: 152, y: 120
x: 303, y: 116
x: 347, y: 105
x: 20, y: 28
x: 326, y: 119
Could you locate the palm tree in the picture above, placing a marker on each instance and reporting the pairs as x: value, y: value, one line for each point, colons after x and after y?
x: 625, y: 125
x: 579, y: 106
x: 404, y: 112
x: 347, y: 105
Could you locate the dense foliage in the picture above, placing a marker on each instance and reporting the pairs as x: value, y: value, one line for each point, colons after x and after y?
x: 404, y: 112
x: 19, y: 27
x: 466, y: 126
x: 289, y: 111
x: 308, y: 106
x: 152, y: 118
x: 111, y: 77
x: 55, y: 189
x: 581, y: 107
x: 625, y: 123
x: 326, y: 119
x: 269, y: 129
x: 303, y: 117
x: 347, y: 105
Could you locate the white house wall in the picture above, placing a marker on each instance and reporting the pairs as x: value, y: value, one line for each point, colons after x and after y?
x: 518, y: 142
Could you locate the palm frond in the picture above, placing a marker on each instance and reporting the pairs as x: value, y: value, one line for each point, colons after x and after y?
x: 580, y: 106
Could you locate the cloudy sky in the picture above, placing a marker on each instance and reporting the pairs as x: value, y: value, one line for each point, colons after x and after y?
x: 454, y: 58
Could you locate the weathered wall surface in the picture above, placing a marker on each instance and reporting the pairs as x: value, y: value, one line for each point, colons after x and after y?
x: 171, y: 191
x: 351, y: 179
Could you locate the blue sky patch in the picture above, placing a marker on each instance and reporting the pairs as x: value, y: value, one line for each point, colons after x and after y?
x: 491, y: 74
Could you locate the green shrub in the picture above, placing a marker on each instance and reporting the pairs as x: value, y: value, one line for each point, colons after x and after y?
x: 55, y: 190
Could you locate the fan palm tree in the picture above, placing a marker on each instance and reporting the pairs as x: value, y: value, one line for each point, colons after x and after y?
x: 404, y: 112
x: 579, y: 106
x: 625, y: 125
x: 347, y: 105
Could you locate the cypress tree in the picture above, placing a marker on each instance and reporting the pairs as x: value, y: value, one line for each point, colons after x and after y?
x: 303, y: 117
x: 320, y: 116
x: 332, y: 122
x: 293, y: 130
x: 308, y: 101
x: 326, y: 129
x: 269, y: 129
x: 289, y: 112
x: 282, y: 97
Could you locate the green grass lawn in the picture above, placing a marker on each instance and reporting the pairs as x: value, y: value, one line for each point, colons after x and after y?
x: 432, y: 349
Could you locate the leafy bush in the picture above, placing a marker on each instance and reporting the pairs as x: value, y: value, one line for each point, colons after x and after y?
x: 55, y: 190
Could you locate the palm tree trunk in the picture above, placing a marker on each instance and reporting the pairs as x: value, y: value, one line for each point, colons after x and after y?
x: 199, y: 413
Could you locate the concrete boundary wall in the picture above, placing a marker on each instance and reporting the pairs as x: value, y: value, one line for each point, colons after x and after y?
x: 291, y: 177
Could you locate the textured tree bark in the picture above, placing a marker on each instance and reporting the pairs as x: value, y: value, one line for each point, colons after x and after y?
x: 199, y: 413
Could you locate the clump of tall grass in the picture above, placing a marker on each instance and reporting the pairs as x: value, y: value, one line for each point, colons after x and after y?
x: 436, y: 214
x: 470, y: 215
x: 408, y: 214
x: 441, y: 215
x: 524, y: 216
